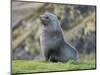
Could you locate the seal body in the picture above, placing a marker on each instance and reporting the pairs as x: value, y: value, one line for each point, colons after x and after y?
x: 53, y: 46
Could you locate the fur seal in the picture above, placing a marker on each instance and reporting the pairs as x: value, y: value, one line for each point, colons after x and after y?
x: 54, y: 48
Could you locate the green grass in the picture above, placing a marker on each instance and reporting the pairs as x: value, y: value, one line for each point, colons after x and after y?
x: 24, y: 66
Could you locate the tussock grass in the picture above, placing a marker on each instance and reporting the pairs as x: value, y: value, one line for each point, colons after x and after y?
x: 24, y: 66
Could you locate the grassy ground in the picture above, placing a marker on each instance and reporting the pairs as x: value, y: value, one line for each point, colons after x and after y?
x: 23, y: 66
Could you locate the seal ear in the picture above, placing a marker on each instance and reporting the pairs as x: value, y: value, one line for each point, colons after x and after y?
x: 59, y: 18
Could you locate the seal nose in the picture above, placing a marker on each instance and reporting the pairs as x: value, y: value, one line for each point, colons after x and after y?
x: 41, y: 17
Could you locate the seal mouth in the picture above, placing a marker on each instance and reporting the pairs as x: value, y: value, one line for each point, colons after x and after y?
x: 43, y: 20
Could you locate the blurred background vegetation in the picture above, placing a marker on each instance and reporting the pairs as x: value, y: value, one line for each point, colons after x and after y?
x: 77, y: 21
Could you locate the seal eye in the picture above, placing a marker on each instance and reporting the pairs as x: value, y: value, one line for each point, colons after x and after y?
x: 47, y: 17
